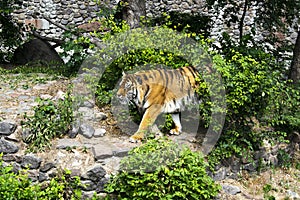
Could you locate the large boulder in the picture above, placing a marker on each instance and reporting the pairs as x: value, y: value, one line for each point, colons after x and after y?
x: 36, y: 51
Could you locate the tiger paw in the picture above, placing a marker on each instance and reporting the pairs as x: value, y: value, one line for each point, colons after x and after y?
x: 175, y: 132
x: 136, y: 138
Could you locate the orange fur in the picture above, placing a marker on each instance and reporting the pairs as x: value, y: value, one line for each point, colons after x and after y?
x: 159, y: 91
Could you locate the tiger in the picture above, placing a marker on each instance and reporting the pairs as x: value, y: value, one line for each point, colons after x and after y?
x: 158, y: 91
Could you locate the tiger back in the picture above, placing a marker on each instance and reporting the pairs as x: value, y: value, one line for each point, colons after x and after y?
x: 159, y: 91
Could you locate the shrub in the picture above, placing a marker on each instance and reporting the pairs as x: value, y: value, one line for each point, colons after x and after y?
x: 51, y: 119
x: 19, y: 186
x: 256, y: 96
x: 15, y: 186
x: 161, y: 169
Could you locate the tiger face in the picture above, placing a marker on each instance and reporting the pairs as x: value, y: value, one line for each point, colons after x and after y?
x: 131, y: 90
x: 126, y: 92
x: 158, y: 91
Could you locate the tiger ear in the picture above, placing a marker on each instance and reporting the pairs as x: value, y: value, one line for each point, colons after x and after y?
x: 123, y: 73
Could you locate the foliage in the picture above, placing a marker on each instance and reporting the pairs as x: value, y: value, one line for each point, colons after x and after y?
x: 75, y: 50
x: 19, y: 186
x: 10, y: 36
x: 15, y: 186
x: 261, y: 105
x: 51, y: 119
x: 160, y: 169
x: 183, y: 22
x: 63, y: 186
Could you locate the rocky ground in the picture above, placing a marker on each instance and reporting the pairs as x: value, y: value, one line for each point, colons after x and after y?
x: 103, y: 144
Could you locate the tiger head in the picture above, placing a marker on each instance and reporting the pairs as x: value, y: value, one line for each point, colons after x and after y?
x: 128, y: 91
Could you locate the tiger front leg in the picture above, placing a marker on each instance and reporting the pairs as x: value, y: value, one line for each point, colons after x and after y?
x: 148, y: 119
x: 178, y: 128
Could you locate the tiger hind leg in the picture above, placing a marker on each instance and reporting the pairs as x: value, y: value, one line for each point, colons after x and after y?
x: 178, y: 128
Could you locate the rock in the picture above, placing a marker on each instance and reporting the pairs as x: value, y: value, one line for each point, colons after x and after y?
x: 88, y: 104
x: 90, y: 27
x: 220, y: 174
x: 16, y: 168
x: 42, y: 177
x: 65, y: 143
x: 46, y: 167
x: 88, y: 185
x: 8, y: 147
x: 25, y: 135
x: 231, y: 189
x: 102, y: 151
x: 7, y: 128
x: 96, y: 174
x: 36, y: 51
x: 11, y: 158
x: 100, y: 116
x: 31, y: 161
x: 101, y: 184
x: 73, y: 132
x: 86, y: 130
x: 293, y: 195
x: 33, y: 175
x: 99, y: 132
x: 86, y: 113
x: 121, y: 153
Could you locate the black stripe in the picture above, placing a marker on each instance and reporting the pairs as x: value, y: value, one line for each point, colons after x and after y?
x: 145, y: 77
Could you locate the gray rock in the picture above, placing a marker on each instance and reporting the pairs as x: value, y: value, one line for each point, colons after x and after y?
x: 31, y: 161
x: 86, y: 130
x: 16, y: 168
x: 96, y: 174
x: 46, y: 167
x: 64, y: 22
x: 33, y: 175
x: 42, y: 177
x: 99, y: 132
x: 8, y: 147
x: 86, y: 113
x: 88, y: 104
x: 73, y: 132
x: 231, y: 189
x: 7, y: 128
x: 101, y: 184
x: 12, y: 158
x: 65, y: 143
x: 25, y: 135
x: 292, y: 194
x: 88, y: 185
x: 121, y: 153
x: 100, y: 116
x: 102, y: 151
x: 220, y: 174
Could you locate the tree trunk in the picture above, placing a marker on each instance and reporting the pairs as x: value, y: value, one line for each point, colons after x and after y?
x: 241, y: 25
x: 132, y: 12
x: 295, y: 67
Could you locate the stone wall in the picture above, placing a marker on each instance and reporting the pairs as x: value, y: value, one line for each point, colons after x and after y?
x: 73, y: 12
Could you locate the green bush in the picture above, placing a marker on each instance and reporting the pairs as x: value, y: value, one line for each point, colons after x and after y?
x: 161, y: 169
x: 15, y: 186
x: 261, y: 105
x: 19, y: 186
x: 51, y: 119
